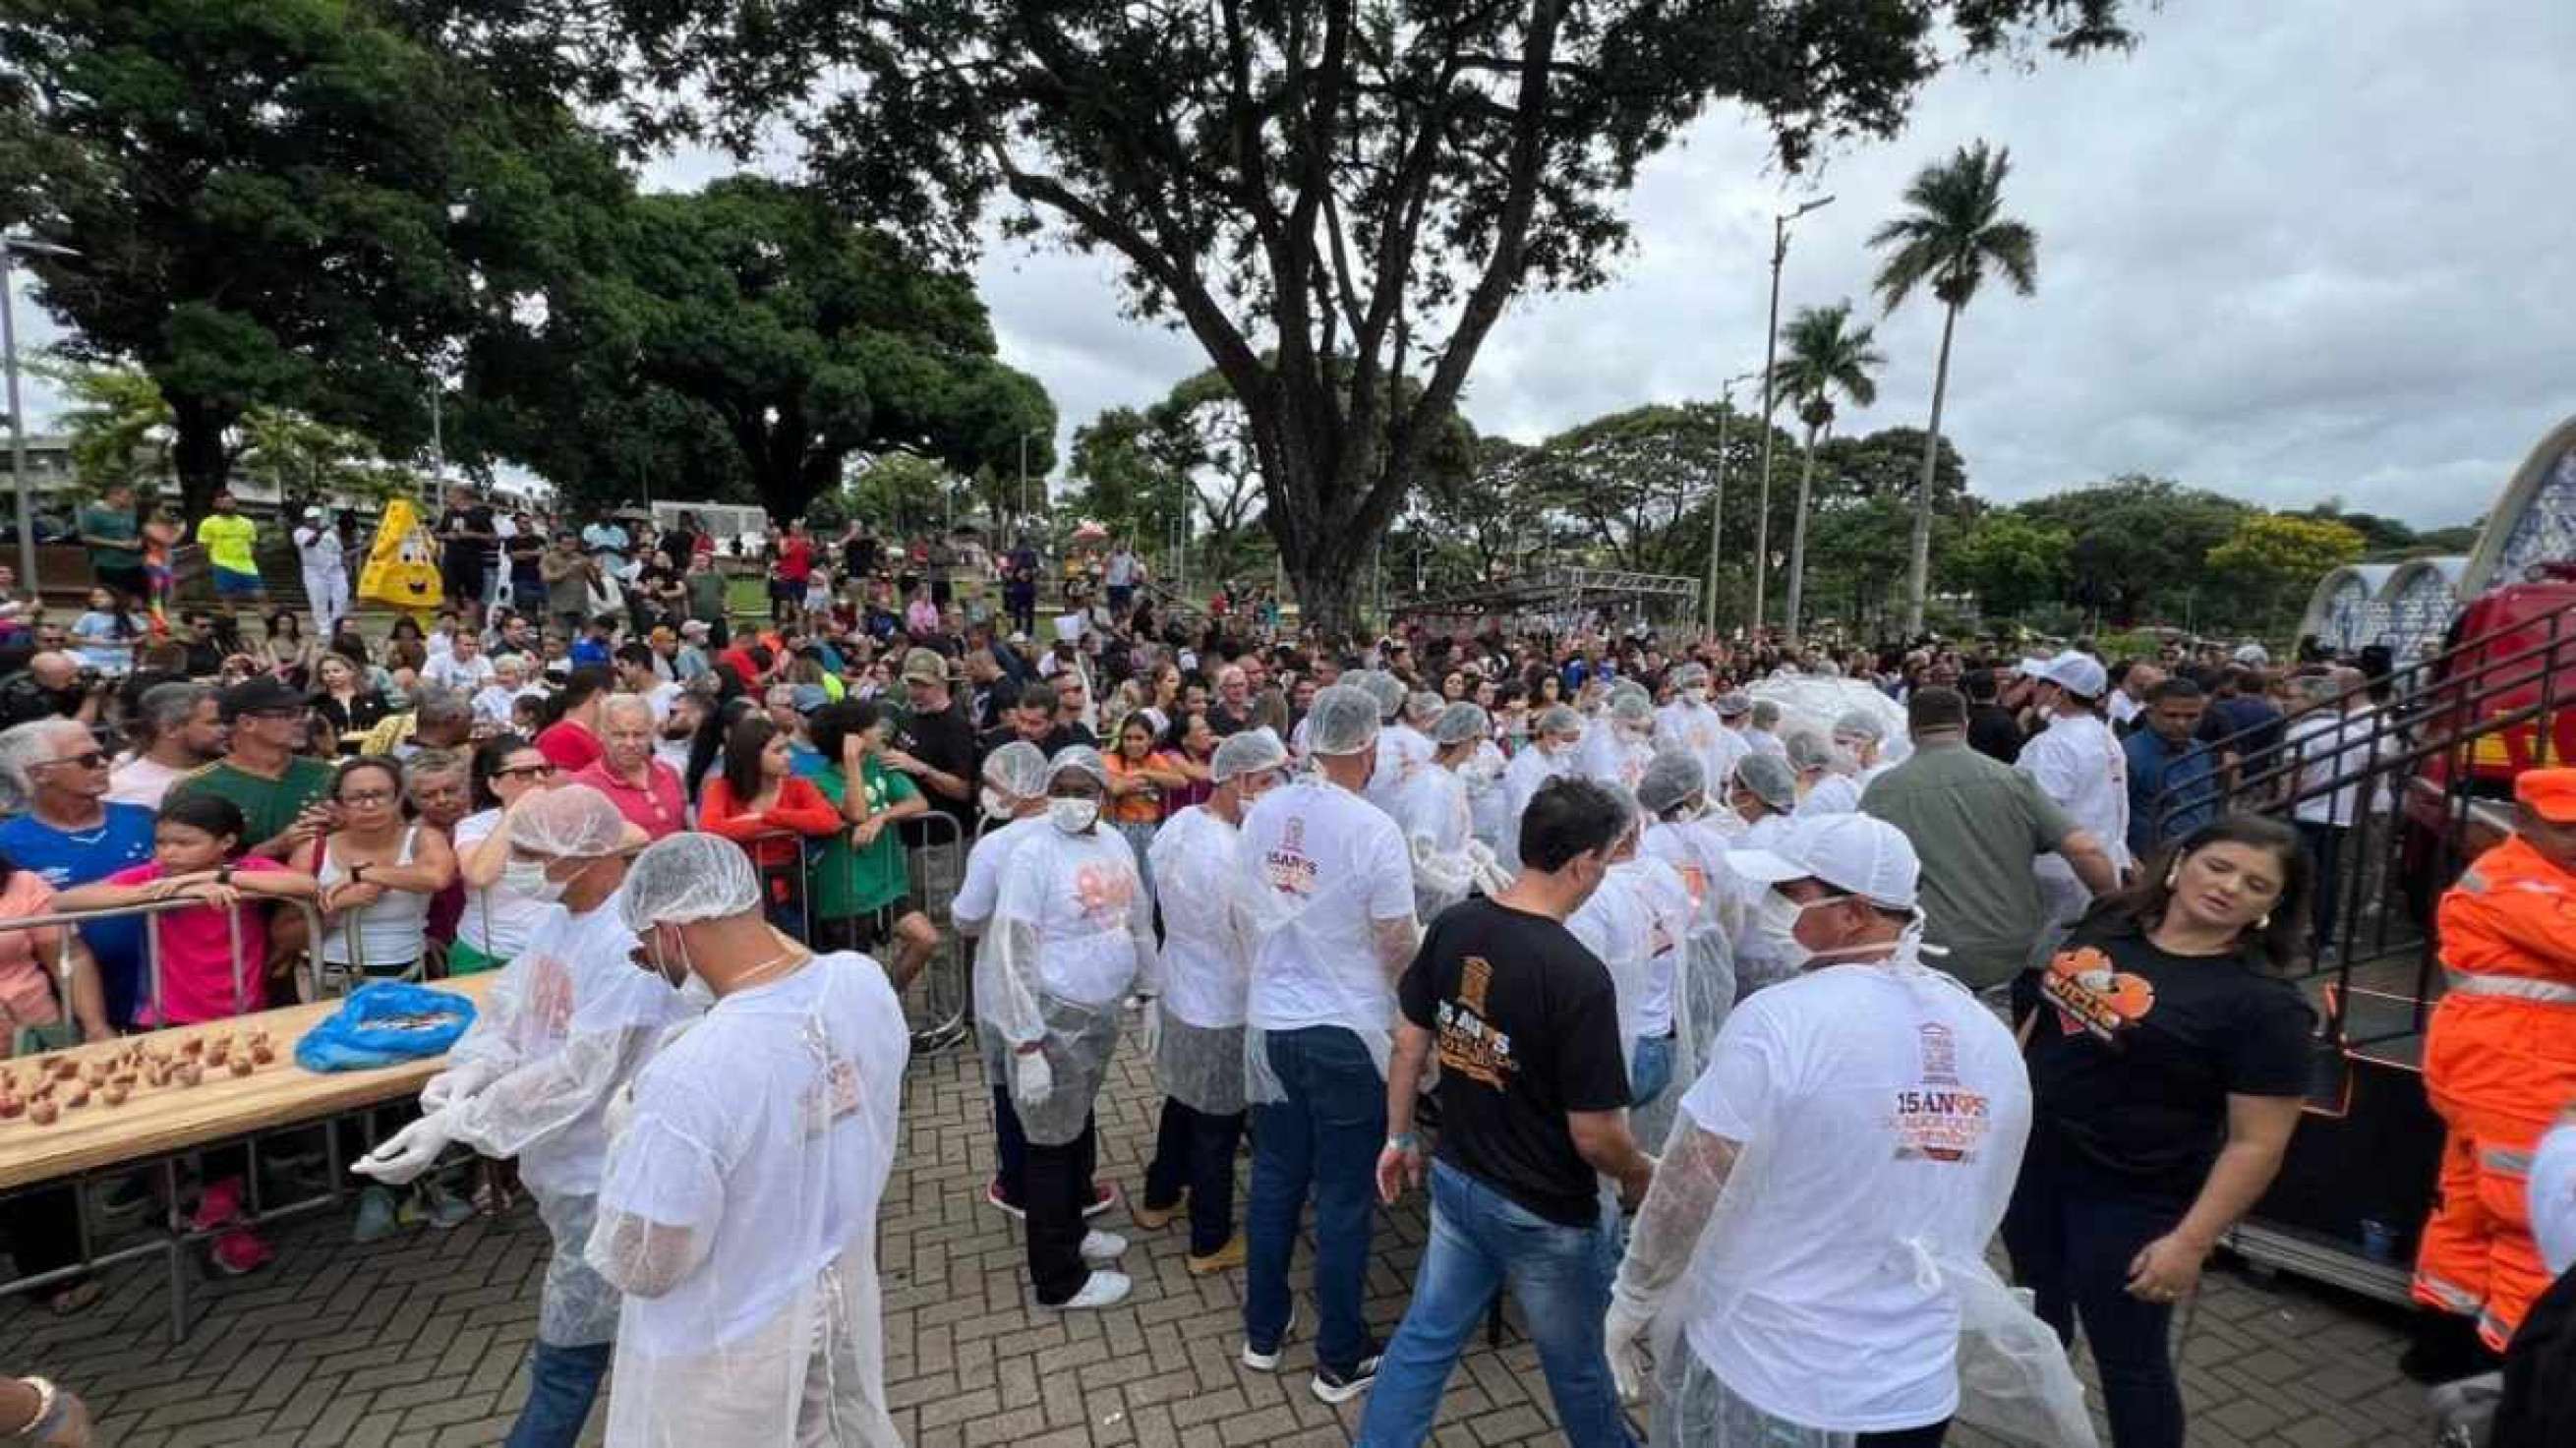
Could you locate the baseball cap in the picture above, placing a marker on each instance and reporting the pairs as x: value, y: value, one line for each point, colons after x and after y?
x: 258, y: 696
x: 2551, y: 793
x: 2253, y: 655
x: 1866, y: 857
x: 810, y: 697
x: 925, y: 666
x: 695, y: 628
x: 311, y: 513
x: 2076, y: 672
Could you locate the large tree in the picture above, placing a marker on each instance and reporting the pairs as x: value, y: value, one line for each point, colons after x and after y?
x: 2138, y: 544
x: 263, y: 196
x: 1823, y: 357
x: 1953, y: 232
x: 1333, y: 198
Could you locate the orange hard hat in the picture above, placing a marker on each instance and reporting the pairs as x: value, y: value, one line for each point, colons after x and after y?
x: 2551, y: 793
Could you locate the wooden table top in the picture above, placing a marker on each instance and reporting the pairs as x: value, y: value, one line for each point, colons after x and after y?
x: 154, y: 1120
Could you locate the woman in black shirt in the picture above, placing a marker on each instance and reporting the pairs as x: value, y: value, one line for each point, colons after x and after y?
x: 2168, y: 1062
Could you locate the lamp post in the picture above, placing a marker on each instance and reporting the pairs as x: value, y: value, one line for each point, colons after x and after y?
x: 1717, y: 504
x: 10, y: 245
x: 1770, y: 357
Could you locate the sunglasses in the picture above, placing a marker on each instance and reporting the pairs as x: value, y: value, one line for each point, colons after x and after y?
x: 528, y: 771
x: 90, y: 760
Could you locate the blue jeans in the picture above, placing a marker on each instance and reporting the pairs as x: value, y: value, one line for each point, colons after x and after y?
x: 1323, y: 1140
x: 1652, y: 1072
x: 562, y: 1383
x: 1481, y: 1241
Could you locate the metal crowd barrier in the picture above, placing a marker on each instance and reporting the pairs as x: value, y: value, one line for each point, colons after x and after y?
x: 936, y: 1004
x: 244, y: 976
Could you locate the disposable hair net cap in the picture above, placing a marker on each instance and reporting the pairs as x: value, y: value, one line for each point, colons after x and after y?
x: 1558, y: 719
x: 1385, y: 690
x: 1081, y: 759
x: 1861, y: 724
x: 1671, y: 776
x: 1018, y: 769
x: 688, y: 876
x: 1459, y: 723
x: 1770, y: 779
x: 1807, y: 750
x: 1734, y: 703
x: 1422, y: 706
x: 1690, y: 676
x: 1632, y: 707
x: 575, y: 821
x: 1342, y: 720
x: 1249, y: 752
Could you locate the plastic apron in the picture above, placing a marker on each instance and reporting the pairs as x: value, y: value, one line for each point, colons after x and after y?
x: 1615, y: 757
x: 2014, y: 1377
x: 1433, y: 812
x: 569, y: 1023
x: 1488, y: 801
x: 739, y: 1212
x: 1528, y: 770
x: 1207, y: 964
x: 1755, y: 964
x: 1071, y: 935
x: 1697, y: 852
x: 1283, y: 894
x: 1668, y: 910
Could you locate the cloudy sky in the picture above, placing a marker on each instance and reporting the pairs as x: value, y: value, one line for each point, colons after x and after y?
x: 2294, y: 250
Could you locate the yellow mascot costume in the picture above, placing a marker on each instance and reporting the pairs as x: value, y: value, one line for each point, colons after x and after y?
x: 402, y: 564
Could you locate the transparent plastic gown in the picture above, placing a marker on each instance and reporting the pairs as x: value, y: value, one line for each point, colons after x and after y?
x: 738, y: 1216
x: 1207, y: 963
x: 1071, y: 935
x: 1438, y: 827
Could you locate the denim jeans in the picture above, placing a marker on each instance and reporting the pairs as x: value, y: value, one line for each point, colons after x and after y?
x: 1652, y: 1072
x: 1482, y: 1241
x: 562, y: 1383
x: 1323, y: 1140
x: 2072, y: 1237
x: 1196, y: 1150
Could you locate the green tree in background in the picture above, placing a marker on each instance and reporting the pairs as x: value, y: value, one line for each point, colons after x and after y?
x: 2137, y: 542
x: 2277, y: 559
x: 1345, y: 185
x: 1823, y: 357
x: 1955, y: 230
x: 2014, y: 562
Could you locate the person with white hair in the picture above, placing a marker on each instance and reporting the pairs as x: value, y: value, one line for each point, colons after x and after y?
x: 1433, y: 812
x: 645, y: 790
x: 1327, y: 885
x: 57, y: 822
x: 1197, y: 1028
x: 2079, y: 764
x: 1692, y: 724
x: 1068, y: 937
x: 496, y: 704
x: 570, y: 1022
x: 738, y: 1209
x: 1813, y: 1241
x: 1622, y: 741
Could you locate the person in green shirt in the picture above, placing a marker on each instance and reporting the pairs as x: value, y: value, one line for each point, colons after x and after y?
x: 231, y: 544
x: 107, y: 527
x: 283, y: 794
x: 861, y: 876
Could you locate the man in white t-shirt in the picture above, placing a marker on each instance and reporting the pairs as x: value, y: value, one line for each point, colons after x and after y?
x: 1864, y: 1122
x: 462, y: 667
x: 326, y: 574
x: 1326, y: 884
x: 2079, y: 765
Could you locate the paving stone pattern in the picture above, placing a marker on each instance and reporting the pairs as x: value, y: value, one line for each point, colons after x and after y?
x: 419, y: 1342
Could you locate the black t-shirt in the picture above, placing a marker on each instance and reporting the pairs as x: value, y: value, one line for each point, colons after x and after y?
x: 1993, y: 732
x: 945, y: 742
x: 465, y: 551
x: 2136, y: 1052
x: 1526, y: 1023
x: 525, y: 552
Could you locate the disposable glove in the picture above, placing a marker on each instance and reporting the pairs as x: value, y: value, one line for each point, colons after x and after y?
x: 1031, y: 1078
x: 1149, y: 1027
x: 409, y: 1152
x: 458, y: 1082
x: 1622, y: 1342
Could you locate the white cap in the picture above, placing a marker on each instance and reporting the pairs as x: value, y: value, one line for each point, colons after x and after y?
x: 2253, y: 655
x: 2078, y: 673
x: 1854, y: 852
x: 2031, y: 668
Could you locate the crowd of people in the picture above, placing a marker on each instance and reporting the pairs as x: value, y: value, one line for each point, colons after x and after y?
x: 1723, y: 1034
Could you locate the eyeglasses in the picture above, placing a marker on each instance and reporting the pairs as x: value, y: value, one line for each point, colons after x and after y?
x: 90, y: 760
x: 368, y: 796
x: 291, y: 715
x: 527, y: 771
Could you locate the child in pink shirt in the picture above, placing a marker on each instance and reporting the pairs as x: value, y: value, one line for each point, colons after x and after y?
x: 193, y: 847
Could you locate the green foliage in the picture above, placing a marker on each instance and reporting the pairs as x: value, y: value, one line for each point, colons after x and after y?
x: 1350, y: 187
x: 2014, y: 563
x: 2277, y: 559
x: 117, y: 421
x: 1823, y: 356
x: 2139, y: 545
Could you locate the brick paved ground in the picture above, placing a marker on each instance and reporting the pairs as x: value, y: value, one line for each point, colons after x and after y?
x: 419, y: 1341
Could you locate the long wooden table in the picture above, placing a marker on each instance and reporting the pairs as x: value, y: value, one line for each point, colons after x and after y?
x: 157, y: 1121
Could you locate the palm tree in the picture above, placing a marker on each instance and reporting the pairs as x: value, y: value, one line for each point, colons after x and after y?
x: 1955, y: 230
x: 1824, y: 355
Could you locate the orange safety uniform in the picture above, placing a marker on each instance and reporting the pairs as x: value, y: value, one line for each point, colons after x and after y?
x: 2499, y: 1065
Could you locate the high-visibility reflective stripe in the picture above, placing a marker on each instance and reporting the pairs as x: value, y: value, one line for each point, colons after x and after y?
x: 2471, y: 882
x: 2494, y: 1331
x: 2446, y: 1295
x: 2506, y: 1160
x: 2515, y: 987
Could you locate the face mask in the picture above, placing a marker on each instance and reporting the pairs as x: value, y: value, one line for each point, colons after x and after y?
x: 1696, y: 694
x: 1775, y: 924
x: 1073, y: 816
x: 663, y: 966
x: 528, y: 877
x: 550, y: 890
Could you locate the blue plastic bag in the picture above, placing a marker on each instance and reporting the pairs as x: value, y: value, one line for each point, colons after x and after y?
x: 385, y: 1024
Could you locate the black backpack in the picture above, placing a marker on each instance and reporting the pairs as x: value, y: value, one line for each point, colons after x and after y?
x: 2538, y: 1409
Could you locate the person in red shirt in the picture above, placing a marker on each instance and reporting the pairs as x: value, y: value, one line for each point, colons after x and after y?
x: 761, y: 803
x: 644, y: 789
x: 787, y: 579
x: 570, y: 742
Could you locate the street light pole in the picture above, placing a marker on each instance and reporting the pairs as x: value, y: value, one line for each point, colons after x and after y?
x: 10, y: 246
x: 1770, y: 357
x: 1717, y: 503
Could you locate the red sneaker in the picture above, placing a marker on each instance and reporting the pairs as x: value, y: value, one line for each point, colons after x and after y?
x: 237, y: 1252
x: 218, y: 1205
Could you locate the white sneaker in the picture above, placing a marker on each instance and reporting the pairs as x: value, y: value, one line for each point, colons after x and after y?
x: 1268, y: 1362
x: 1104, y: 1289
x: 1099, y: 1249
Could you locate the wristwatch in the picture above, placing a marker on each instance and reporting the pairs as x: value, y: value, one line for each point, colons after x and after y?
x: 358, y: 872
x: 1403, y: 1141
x: 223, y: 874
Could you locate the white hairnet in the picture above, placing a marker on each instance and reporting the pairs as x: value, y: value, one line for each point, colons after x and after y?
x: 1672, y: 776
x: 1861, y: 724
x: 1386, y: 689
x: 1080, y: 759
x: 1459, y: 723
x: 1770, y: 780
x: 1343, y: 719
x: 1558, y: 719
x: 1421, y: 706
x: 1633, y: 707
x: 1690, y: 676
x: 1249, y: 752
x: 1017, y: 769
x: 1807, y: 751
x: 688, y: 876
x: 575, y: 820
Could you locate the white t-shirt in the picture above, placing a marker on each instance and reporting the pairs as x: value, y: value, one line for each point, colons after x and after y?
x: 1877, y: 1105
x: 2123, y: 708
x: 660, y: 697
x: 1084, y: 897
x: 981, y: 891
x: 447, y: 671
x: 1207, y: 953
x: 319, y: 548
x: 1318, y: 865
x: 141, y: 780
x: 2076, y: 762
x: 497, y: 705
x: 2328, y: 747
x: 497, y: 919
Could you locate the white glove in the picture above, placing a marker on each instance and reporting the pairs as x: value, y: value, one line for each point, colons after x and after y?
x: 408, y: 1153
x: 1031, y: 1077
x: 1149, y: 1027
x: 458, y: 1082
x: 1489, y: 874
x: 1621, y: 1332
